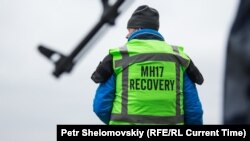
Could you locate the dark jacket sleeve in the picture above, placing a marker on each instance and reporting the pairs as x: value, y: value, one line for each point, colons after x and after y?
x: 103, y: 71
x: 194, y: 73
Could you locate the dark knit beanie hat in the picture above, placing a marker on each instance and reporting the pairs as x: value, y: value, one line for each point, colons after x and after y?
x: 144, y: 17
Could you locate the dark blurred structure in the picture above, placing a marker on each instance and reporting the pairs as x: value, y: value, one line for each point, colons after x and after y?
x: 237, y: 73
x: 65, y: 63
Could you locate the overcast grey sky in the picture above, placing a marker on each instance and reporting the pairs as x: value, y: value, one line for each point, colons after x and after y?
x: 33, y: 102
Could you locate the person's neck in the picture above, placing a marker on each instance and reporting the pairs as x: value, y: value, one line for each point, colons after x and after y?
x: 146, y: 34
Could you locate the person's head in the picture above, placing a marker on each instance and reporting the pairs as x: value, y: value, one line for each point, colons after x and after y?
x: 143, y: 17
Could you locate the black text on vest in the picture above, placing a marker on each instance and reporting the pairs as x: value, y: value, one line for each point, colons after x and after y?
x: 151, y: 78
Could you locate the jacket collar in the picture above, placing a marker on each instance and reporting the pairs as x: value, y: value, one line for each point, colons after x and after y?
x: 146, y: 34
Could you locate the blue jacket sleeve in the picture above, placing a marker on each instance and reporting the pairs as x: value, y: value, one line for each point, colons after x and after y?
x: 103, y: 99
x: 193, y: 113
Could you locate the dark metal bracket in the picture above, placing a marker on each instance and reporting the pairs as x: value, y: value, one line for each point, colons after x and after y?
x: 65, y: 63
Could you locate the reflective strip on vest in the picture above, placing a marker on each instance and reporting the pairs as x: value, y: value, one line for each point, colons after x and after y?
x: 124, y: 63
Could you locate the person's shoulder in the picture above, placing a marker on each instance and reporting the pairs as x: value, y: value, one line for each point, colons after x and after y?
x: 180, y: 50
x: 180, y: 47
x: 117, y: 49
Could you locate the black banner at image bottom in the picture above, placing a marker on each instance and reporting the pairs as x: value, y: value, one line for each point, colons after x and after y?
x: 79, y: 132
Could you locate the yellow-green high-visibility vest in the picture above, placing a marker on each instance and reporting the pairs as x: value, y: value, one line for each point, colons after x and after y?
x: 149, y: 83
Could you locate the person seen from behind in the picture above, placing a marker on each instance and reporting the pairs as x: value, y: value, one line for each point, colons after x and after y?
x: 147, y: 81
